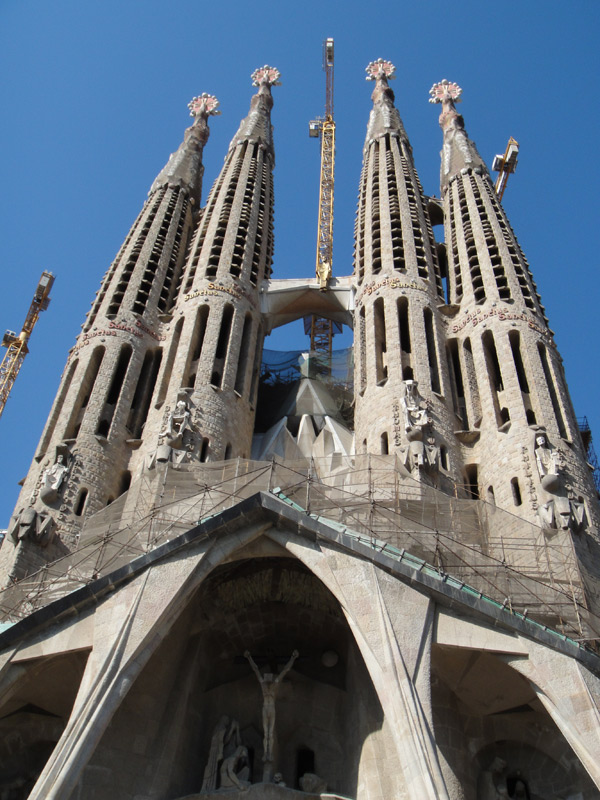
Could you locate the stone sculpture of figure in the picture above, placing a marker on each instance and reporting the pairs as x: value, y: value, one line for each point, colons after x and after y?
x: 547, y: 462
x: 278, y: 779
x: 492, y: 782
x: 324, y: 274
x: 30, y: 524
x: 269, y: 684
x: 178, y: 423
x: 52, y: 479
x: 235, y: 770
x: 415, y: 410
x: 225, y: 740
x: 312, y: 784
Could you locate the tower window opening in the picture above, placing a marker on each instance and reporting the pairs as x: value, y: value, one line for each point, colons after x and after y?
x: 515, y: 345
x: 362, y: 349
x: 228, y: 451
x: 458, y: 388
x: 125, y: 482
x: 444, y: 457
x: 80, y: 502
x: 204, y: 450
x: 495, y: 376
x: 471, y: 382
x: 552, y: 391
x: 491, y: 497
x: 381, y: 370
x: 240, y: 378
x: 516, y: 492
x: 114, y: 391
x: 166, y: 376
x: 434, y: 371
x: 375, y: 213
x: 197, y: 341
x: 385, y: 449
x: 85, y: 390
x: 471, y: 481
x: 144, y: 390
x: 222, y: 345
x: 56, y: 411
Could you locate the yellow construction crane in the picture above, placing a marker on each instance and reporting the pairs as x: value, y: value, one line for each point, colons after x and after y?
x: 505, y: 165
x: 321, y: 330
x: 16, y: 345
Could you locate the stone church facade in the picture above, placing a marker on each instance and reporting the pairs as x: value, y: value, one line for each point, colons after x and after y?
x: 213, y: 585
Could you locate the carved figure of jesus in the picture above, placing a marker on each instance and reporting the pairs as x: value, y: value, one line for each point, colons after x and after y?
x: 269, y: 683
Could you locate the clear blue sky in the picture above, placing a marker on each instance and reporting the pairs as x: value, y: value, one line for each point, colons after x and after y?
x: 94, y: 99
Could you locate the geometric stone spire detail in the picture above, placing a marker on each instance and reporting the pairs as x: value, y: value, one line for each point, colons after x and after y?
x: 256, y: 127
x: 184, y: 167
x: 384, y: 115
x: 459, y: 152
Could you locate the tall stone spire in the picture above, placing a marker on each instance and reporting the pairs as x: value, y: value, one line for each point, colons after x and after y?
x: 84, y: 459
x: 522, y: 448
x: 399, y: 356
x: 184, y: 167
x: 215, y: 342
x: 459, y: 152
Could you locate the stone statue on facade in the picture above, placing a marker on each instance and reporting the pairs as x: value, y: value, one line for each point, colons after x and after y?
x: 269, y: 683
x: 178, y: 422
x: 416, y: 415
x: 224, y: 742
x: 235, y: 770
x: 492, y: 782
x: 547, y: 462
x: 52, y: 479
x: 562, y: 510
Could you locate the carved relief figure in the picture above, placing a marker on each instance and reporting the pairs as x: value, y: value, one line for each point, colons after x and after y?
x: 269, y: 683
x: 225, y: 740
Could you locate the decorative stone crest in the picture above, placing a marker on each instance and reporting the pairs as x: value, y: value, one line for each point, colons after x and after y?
x: 266, y: 76
x: 445, y: 91
x: 376, y: 70
x: 204, y: 105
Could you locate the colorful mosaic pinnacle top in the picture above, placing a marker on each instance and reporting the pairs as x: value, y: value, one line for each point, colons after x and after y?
x: 266, y: 76
x: 380, y: 69
x: 203, y: 105
x: 445, y: 90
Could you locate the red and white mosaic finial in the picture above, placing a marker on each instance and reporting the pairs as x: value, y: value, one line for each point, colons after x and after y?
x: 445, y: 91
x: 380, y: 69
x: 204, y: 105
x: 266, y: 76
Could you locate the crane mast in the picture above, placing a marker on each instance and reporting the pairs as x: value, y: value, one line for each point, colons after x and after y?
x: 16, y: 345
x: 321, y: 330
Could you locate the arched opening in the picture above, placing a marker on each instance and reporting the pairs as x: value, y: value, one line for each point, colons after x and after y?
x: 206, y: 694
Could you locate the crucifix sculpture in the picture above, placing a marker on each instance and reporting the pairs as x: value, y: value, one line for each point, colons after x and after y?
x: 269, y: 683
